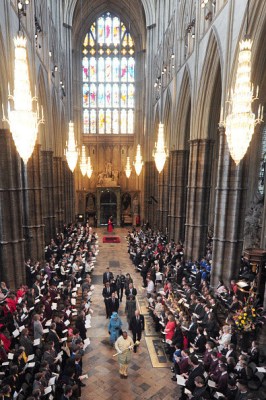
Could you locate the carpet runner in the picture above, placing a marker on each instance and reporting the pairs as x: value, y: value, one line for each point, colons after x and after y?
x: 111, y: 239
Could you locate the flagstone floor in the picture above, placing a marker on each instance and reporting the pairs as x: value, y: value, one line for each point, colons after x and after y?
x: 104, y: 382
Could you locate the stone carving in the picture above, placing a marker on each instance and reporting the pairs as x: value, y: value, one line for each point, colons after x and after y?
x: 252, y: 230
x: 109, y: 177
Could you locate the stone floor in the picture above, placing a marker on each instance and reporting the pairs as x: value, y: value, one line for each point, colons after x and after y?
x: 104, y: 383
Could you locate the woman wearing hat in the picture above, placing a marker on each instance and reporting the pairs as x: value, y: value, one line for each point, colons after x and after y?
x: 114, y: 327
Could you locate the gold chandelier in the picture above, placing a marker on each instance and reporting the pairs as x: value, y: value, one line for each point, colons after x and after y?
x: 128, y: 168
x: 240, y: 122
x: 23, y: 121
x: 160, y: 152
x: 89, y: 168
x: 138, y: 163
x: 71, y: 151
x: 83, y: 161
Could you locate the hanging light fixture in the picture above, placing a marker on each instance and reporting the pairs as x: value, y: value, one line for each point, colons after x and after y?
x: 83, y: 161
x: 71, y: 151
x: 160, y: 152
x: 128, y: 168
x: 89, y: 168
x: 241, y: 121
x: 23, y: 121
x: 138, y: 163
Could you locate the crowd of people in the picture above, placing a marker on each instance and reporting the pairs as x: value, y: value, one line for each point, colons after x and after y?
x: 43, y: 324
x: 199, y: 325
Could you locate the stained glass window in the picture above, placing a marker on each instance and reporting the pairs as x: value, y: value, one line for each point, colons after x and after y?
x: 108, y: 77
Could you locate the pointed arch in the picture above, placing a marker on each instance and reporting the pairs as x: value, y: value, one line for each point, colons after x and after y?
x: 3, y: 79
x: 56, y: 125
x: 167, y: 112
x: 208, y: 81
x: 44, y: 129
x: 181, y: 122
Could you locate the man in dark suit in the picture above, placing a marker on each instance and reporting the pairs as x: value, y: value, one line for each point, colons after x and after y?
x: 112, y: 304
x: 196, y: 370
x: 131, y: 291
x: 222, y: 384
x: 137, y: 326
x: 107, y: 276
x: 107, y: 293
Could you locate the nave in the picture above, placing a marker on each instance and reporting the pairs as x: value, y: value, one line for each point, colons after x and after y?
x: 104, y: 383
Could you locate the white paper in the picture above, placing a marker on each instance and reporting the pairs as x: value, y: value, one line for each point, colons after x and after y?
x: 54, y: 306
x: 86, y: 343
x: 10, y: 356
x: 218, y: 395
x: 5, y: 363
x: 31, y: 357
x: 68, y: 312
x: 52, y: 381
x: 46, y: 330
x: 48, y: 390
x: 36, y: 342
x: 73, y: 302
x: 181, y: 380
x: 48, y: 323
x: 211, y: 383
x: 67, y: 322
x: 261, y: 369
x: 15, y: 333
x: 82, y: 377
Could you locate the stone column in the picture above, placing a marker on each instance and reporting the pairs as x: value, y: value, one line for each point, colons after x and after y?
x: 151, y: 193
x: 48, y: 194
x: 66, y: 192
x: 32, y: 203
x: 12, y: 257
x: 58, y: 193
x: 177, y: 194
x: 163, y: 190
x: 198, y: 193
x: 229, y: 216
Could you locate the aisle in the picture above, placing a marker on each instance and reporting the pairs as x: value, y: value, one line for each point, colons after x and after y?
x: 104, y: 383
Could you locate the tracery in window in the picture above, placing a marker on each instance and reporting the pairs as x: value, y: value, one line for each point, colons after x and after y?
x: 108, y: 77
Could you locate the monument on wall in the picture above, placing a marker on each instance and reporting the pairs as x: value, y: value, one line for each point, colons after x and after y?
x: 108, y: 177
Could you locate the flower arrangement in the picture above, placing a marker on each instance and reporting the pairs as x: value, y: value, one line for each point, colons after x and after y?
x: 245, y: 319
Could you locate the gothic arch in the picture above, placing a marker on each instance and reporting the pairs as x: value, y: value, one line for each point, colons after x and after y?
x: 56, y: 136
x: 208, y: 81
x: 181, y: 133
x: 167, y: 112
x: 124, y: 10
x: 44, y: 129
x: 3, y: 79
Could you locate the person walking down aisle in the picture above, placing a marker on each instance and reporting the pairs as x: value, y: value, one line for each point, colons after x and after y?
x: 124, y: 346
x: 107, y: 293
x: 114, y: 327
x: 130, y: 308
x: 137, y: 326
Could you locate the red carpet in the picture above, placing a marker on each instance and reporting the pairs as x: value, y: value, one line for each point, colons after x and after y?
x: 111, y: 239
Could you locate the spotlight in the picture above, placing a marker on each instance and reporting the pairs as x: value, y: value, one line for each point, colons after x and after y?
x: 55, y: 68
x: 20, y: 5
x: 27, y: 2
x: 172, y: 56
x: 50, y: 53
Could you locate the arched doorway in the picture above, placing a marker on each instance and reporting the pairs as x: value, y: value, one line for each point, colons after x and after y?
x: 108, y: 206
